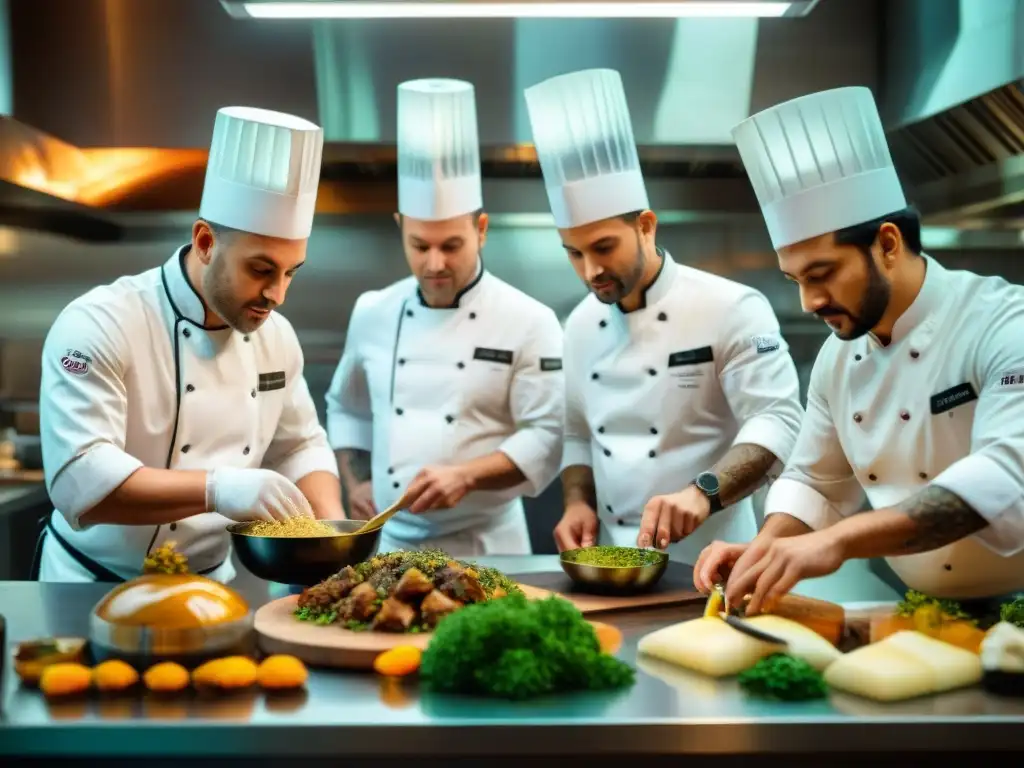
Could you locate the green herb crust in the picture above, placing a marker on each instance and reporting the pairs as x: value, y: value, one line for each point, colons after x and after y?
x: 384, y: 572
x: 914, y: 600
x: 613, y: 557
x: 1013, y: 611
x: 784, y: 678
x: 514, y: 648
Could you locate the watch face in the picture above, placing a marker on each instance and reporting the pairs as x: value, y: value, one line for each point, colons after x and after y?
x: 708, y: 483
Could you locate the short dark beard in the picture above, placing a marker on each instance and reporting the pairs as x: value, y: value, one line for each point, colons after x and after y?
x: 217, y: 292
x: 873, y: 302
x: 625, y: 286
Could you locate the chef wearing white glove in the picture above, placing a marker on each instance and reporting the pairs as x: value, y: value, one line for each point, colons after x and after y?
x: 173, y: 401
x: 917, y: 400
x: 681, y: 393
x: 450, y: 387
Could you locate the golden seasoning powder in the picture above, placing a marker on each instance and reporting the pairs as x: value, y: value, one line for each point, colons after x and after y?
x: 293, y: 528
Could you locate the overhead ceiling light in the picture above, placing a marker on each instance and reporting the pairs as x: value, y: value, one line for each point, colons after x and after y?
x: 525, y: 9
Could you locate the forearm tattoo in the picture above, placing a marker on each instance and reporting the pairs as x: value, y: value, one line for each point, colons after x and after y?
x: 742, y: 471
x: 358, y: 463
x: 940, y: 518
x: 578, y: 485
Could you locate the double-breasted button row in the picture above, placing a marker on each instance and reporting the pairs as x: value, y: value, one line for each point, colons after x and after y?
x: 904, y: 416
x: 653, y: 430
x: 873, y: 477
x: 913, y: 354
x: 594, y: 376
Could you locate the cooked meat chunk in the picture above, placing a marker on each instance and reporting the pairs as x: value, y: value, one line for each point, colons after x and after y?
x: 412, y: 586
x: 461, y: 585
x: 364, y: 602
x: 329, y: 591
x: 436, y: 606
x: 394, y: 616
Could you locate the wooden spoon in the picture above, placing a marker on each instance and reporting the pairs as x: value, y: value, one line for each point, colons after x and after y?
x: 380, y: 518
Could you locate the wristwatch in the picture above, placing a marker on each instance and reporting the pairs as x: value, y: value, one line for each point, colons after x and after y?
x: 707, y: 483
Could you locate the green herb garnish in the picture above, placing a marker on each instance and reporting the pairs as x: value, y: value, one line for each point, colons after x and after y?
x: 1013, y: 611
x: 913, y: 600
x: 613, y: 557
x: 784, y: 678
x: 514, y: 648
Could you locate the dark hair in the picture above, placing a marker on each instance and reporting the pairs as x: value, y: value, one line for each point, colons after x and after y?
x: 863, y: 236
x: 220, y: 232
x: 631, y: 217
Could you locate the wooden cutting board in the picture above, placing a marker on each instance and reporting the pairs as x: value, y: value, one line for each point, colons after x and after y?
x: 278, y: 631
x: 674, y: 588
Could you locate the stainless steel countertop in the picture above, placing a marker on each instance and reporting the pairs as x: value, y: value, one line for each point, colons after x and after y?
x: 668, y: 711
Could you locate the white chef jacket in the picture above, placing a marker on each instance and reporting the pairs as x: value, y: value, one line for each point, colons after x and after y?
x: 943, y: 403
x: 419, y: 386
x: 656, y: 396
x: 131, y: 378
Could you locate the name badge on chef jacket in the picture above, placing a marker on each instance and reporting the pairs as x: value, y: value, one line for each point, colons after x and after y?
x: 502, y: 356
x: 683, y: 366
x: 271, y: 381
x: 950, y: 398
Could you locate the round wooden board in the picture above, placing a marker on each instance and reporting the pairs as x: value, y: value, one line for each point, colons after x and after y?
x: 324, y: 646
x: 278, y: 631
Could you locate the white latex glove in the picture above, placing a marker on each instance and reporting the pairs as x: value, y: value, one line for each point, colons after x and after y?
x: 254, y: 494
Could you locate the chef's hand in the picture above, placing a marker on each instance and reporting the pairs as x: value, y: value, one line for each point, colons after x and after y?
x: 360, y: 501
x: 672, y: 517
x: 715, y: 563
x: 255, y: 494
x: 437, y: 488
x: 770, y: 574
x: 577, y: 528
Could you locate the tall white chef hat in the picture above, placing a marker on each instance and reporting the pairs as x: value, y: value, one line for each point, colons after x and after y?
x: 438, y: 149
x: 584, y: 140
x: 262, y: 173
x: 819, y: 163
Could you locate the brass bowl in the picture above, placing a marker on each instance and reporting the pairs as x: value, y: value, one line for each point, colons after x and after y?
x: 613, y: 580
x: 303, y: 561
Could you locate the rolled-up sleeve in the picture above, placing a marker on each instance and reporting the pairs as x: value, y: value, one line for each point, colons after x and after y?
x: 818, y: 485
x: 576, y: 445
x: 991, y: 478
x: 83, y: 409
x: 536, y: 398
x: 759, y: 377
x: 299, y: 446
x: 349, y: 414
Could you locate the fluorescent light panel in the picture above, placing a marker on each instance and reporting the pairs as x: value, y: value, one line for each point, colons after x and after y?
x: 477, y: 9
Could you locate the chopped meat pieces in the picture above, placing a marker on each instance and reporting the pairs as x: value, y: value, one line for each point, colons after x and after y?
x: 461, y: 585
x: 394, y: 616
x: 436, y: 606
x: 364, y: 602
x: 413, y: 585
x: 330, y: 590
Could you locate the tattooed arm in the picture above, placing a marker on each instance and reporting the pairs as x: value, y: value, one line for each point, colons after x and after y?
x: 354, y: 471
x: 929, y: 520
x: 742, y: 471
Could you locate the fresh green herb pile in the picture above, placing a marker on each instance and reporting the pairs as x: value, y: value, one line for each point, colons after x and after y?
x: 514, y: 648
x: 1013, y: 611
x: 615, y: 557
x: 784, y: 678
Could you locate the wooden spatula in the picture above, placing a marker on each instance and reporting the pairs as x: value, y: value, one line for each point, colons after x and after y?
x: 380, y: 518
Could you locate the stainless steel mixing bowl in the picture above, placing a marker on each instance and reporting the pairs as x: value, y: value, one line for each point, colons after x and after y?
x: 303, y: 561
x: 613, y: 580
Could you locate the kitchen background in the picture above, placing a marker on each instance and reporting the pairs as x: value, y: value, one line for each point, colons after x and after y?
x: 106, y: 109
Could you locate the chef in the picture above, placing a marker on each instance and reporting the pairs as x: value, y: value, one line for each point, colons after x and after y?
x: 681, y: 393
x: 916, y: 400
x: 173, y: 401
x: 450, y: 386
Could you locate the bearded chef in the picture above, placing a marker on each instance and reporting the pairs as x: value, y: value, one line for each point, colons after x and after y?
x: 916, y: 400
x: 173, y: 401
x: 681, y: 393
x: 450, y: 387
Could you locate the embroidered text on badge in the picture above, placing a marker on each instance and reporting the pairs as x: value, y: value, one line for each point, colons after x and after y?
x: 271, y: 381
x: 949, y: 399
x: 768, y: 342
x: 1012, y: 379
x: 493, y: 355
x: 551, y: 363
x: 76, y: 362
x: 691, y: 357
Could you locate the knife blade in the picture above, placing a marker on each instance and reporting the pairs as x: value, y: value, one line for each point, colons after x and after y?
x: 742, y: 626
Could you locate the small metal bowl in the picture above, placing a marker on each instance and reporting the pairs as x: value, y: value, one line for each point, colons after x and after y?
x: 613, y: 580
x: 303, y: 561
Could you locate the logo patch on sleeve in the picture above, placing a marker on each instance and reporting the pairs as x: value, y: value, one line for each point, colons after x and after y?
x: 551, y: 363
x: 1011, y: 379
x: 768, y: 342
x: 75, y: 362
